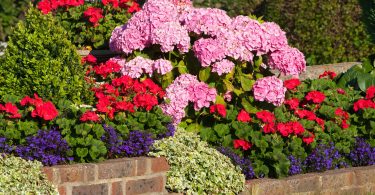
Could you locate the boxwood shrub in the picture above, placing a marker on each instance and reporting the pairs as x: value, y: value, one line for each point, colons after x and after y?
x: 40, y: 59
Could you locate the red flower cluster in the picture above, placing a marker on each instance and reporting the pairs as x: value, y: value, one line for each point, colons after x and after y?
x: 107, y: 68
x: 341, y: 91
x: 94, y: 15
x: 126, y: 94
x: 370, y: 93
x: 218, y: 108
x: 46, y: 6
x: 11, y: 110
x: 309, y: 139
x: 90, y: 116
x: 291, y: 84
x: 305, y: 114
x: 89, y: 59
x: 44, y: 110
x: 269, y: 119
x: 362, y: 104
x: 316, y: 97
x: 285, y: 129
x: 330, y: 74
x: 243, y: 116
x: 240, y: 143
x: 292, y: 103
x: 343, y: 117
x: 132, y: 6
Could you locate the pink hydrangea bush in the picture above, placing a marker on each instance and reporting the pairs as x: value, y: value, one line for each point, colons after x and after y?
x: 202, y: 56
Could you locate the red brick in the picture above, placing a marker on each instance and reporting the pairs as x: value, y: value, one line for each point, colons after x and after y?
x: 76, y: 173
x: 117, y: 188
x: 116, y: 169
x: 48, y: 171
x: 140, y: 186
x: 159, y: 165
x: 338, y: 179
x: 268, y: 186
x: 62, y: 190
x: 142, y: 166
x: 365, y: 175
x: 97, y: 189
x: 304, y: 183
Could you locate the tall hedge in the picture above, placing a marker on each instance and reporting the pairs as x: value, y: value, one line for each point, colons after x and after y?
x: 368, y: 7
x: 11, y: 11
x: 40, y: 59
x: 233, y: 7
x: 326, y: 31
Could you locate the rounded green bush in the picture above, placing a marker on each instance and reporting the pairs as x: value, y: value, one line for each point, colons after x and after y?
x: 19, y: 176
x: 196, y: 168
x: 325, y: 31
x: 40, y: 59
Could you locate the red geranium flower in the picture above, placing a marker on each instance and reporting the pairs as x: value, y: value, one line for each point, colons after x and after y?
x: 266, y: 116
x: 305, y: 114
x: 292, y: 103
x: 107, y: 68
x: 330, y: 74
x: 341, y: 113
x: 89, y: 116
x: 308, y: 140
x: 291, y: 84
x: 243, y: 116
x: 370, y: 92
x: 219, y: 108
x: 341, y: 91
x: 125, y: 106
x: 269, y: 128
x: 134, y: 7
x: 10, y: 109
x: 298, y: 129
x: 362, y: 104
x: 94, y: 14
x: 113, y: 2
x: 45, y: 6
x: 146, y: 101
x: 316, y: 97
x: 285, y: 129
x: 90, y: 59
x: 47, y: 111
x: 245, y: 145
x: 320, y: 122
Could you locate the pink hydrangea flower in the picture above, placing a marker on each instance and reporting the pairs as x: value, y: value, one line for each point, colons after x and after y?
x: 169, y: 34
x: 137, y: 66
x: 202, y: 95
x: 208, y: 51
x: 269, y: 89
x: 119, y: 60
x: 249, y: 33
x: 205, y: 20
x: 289, y: 61
x: 275, y: 37
x: 224, y: 66
x: 228, y: 96
x: 162, y: 66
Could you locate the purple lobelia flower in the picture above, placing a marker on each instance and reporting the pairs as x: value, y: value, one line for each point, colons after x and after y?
x: 362, y: 154
x: 138, y: 143
x: 243, y: 163
x: 47, y: 147
x: 171, y: 129
x: 324, y: 157
x: 295, y: 165
x: 4, y: 147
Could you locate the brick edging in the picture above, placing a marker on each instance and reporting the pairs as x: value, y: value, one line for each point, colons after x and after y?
x: 119, y: 176
x: 357, y: 180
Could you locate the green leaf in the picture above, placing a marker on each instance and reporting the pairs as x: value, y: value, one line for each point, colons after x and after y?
x: 220, y: 100
x: 82, y: 152
x: 222, y: 130
x: 204, y: 74
x: 182, y: 69
x: 246, y: 83
x: 193, y: 128
x: 365, y: 81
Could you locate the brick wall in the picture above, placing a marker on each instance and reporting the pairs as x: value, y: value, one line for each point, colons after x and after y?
x: 120, y: 176
x: 353, y: 181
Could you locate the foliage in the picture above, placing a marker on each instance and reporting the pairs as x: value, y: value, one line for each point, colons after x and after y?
x: 234, y: 8
x: 197, y: 168
x: 360, y: 76
x: 90, y: 23
x: 325, y: 31
x: 22, y: 176
x: 11, y: 11
x: 39, y: 59
x: 368, y: 7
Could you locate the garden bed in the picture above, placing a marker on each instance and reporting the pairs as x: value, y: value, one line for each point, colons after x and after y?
x: 120, y: 176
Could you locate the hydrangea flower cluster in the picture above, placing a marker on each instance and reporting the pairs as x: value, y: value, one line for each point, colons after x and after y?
x: 187, y: 88
x: 243, y: 163
x: 139, y: 65
x: 48, y: 147
x: 269, y: 89
x: 240, y: 38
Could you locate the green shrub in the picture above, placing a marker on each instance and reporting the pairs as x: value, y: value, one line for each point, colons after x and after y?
x: 325, y: 31
x: 233, y: 7
x: 11, y: 11
x: 196, y: 167
x: 20, y: 176
x: 368, y: 7
x: 40, y: 59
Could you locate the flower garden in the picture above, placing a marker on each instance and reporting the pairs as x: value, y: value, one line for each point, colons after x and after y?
x: 191, y: 84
